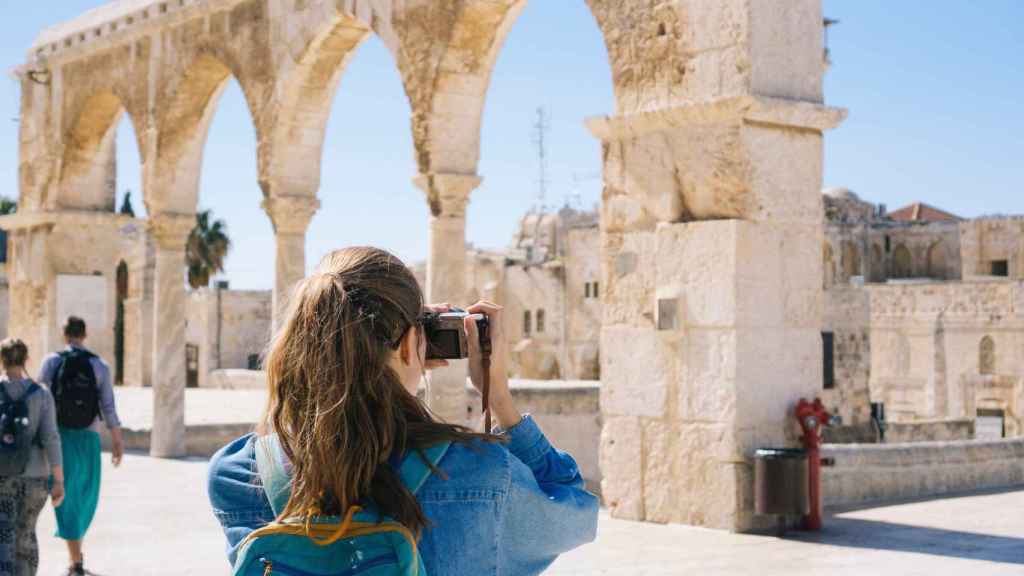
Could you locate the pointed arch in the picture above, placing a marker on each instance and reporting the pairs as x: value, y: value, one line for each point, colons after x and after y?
x: 463, y: 80
x: 829, y: 264
x: 183, y: 125
x: 987, y: 356
x: 937, y: 261
x: 88, y: 175
x: 307, y: 95
x: 851, y: 260
x: 902, y: 262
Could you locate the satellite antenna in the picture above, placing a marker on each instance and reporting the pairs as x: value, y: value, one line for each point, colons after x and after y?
x: 540, y: 130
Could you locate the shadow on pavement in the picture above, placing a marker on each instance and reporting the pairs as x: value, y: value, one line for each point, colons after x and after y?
x: 878, y: 535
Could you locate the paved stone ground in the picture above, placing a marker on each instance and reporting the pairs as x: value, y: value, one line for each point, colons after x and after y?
x: 153, y: 519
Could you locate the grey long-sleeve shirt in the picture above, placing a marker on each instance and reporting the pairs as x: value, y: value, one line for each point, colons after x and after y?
x: 103, y: 381
x: 42, y: 418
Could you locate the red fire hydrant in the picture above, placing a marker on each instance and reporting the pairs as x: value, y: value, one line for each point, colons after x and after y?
x: 812, y: 417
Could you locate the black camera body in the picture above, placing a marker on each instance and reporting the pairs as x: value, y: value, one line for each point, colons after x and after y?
x: 446, y: 334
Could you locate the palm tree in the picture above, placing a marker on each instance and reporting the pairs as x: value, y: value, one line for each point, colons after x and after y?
x: 7, y: 206
x: 208, y: 246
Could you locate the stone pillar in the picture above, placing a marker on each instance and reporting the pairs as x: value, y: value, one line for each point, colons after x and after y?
x: 712, y: 228
x: 447, y: 195
x: 290, y: 216
x: 170, y: 233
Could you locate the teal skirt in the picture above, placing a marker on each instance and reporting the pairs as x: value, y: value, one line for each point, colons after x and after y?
x: 82, y: 469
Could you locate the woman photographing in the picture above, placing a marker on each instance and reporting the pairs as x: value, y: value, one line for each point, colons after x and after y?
x: 345, y: 425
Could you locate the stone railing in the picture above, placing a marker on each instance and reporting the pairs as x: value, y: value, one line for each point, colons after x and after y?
x: 569, y: 412
x: 106, y: 21
x: 878, y: 472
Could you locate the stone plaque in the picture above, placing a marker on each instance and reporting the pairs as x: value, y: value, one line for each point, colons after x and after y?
x: 85, y: 297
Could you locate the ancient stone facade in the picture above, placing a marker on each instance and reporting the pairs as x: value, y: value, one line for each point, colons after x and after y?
x: 925, y: 316
x: 226, y: 329
x: 713, y: 157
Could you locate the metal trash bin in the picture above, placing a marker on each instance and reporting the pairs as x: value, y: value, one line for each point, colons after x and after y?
x: 781, y: 485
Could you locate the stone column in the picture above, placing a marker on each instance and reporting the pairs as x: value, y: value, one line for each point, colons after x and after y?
x: 447, y: 195
x: 170, y: 232
x: 712, y: 228
x: 290, y: 216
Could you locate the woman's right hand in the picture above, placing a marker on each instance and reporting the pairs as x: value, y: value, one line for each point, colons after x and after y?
x: 501, y: 404
x: 57, y: 493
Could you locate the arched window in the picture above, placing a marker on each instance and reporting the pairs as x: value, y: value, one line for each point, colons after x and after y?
x: 937, y: 261
x: 526, y: 323
x: 987, y: 356
x: 540, y: 320
x: 902, y: 262
x: 877, y: 264
x: 829, y: 272
x: 851, y: 261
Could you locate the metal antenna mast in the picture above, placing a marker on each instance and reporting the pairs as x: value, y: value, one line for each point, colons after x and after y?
x: 540, y: 131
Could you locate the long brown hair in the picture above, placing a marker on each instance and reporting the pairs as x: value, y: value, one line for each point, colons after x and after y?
x: 339, y: 409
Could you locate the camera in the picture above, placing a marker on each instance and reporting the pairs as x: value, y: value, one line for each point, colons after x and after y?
x: 446, y: 334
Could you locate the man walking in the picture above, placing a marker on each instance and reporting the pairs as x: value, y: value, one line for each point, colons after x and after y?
x: 83, y: 394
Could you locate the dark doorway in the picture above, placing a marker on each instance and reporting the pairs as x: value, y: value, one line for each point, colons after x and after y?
x: 122, y: 295
x: 191, y: 366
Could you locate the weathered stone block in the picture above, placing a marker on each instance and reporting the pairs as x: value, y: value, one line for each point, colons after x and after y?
x: 636, y: 372
x: 622, y: 452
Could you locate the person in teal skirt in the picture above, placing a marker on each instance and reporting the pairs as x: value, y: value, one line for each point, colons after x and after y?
x: 84, y: 398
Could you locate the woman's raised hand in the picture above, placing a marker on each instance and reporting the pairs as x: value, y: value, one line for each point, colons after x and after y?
x: 501, y: 404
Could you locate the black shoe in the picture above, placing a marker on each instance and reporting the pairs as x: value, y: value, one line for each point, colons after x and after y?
x: 75, y: 570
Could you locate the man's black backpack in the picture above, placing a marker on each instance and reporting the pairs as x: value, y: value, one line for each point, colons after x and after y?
x: 75, y: 391
x: 15, y: 440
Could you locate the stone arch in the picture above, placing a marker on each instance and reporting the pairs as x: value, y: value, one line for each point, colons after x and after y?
x: 829, y: 262
x: 88, y: 167
x: 937, y: 261
x: 877, y: 264
x: 902, y: 262
x: 851, y: 260
x: 307, y: 95
x: 183, y: 125
x: 644, y: 47
x: 987, y: 356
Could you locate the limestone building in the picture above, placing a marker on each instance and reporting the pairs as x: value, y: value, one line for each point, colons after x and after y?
x: 924, y: 314
x: 548, y: 280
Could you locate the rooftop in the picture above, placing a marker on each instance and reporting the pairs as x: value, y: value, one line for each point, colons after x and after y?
x: 921, y: 212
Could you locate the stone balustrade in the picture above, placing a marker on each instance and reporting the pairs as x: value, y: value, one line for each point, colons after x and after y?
x: 878, y: 472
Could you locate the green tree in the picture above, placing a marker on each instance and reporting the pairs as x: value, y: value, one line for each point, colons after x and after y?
x: 7, y: 206
x: 208, y: 246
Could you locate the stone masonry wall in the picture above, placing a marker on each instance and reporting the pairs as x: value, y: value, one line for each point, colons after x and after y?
x: 869, y: 473
x: 847, y: 315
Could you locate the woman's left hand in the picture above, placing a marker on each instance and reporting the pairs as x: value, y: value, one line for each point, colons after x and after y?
x: 431, y: 364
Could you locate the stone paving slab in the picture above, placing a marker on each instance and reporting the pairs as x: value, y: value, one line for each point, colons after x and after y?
x: 154, y: 519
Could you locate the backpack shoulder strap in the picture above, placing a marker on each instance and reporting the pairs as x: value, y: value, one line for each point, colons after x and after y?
x: 414, y: 471
x: 277, y: 483
x: 32, y: 389
x: 270, y: 465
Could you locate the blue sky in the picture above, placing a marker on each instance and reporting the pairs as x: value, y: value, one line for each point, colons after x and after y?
x: 931, y: 94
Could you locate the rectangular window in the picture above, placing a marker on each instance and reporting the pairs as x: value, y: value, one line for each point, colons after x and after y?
x: 828, y: 339
x: 596, y: 295
x: 586, y: 289
x: 1000, y: 268
x: 526, y: 323
x: 888, y: 244
x: 540, y: 321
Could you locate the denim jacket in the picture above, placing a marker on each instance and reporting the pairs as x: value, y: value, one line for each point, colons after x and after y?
x: 505, y: 509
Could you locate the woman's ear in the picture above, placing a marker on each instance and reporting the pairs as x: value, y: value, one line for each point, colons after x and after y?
x: 408, y: 345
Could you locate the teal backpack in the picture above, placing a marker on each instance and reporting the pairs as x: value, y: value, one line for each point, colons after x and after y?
x: 364, y: 543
